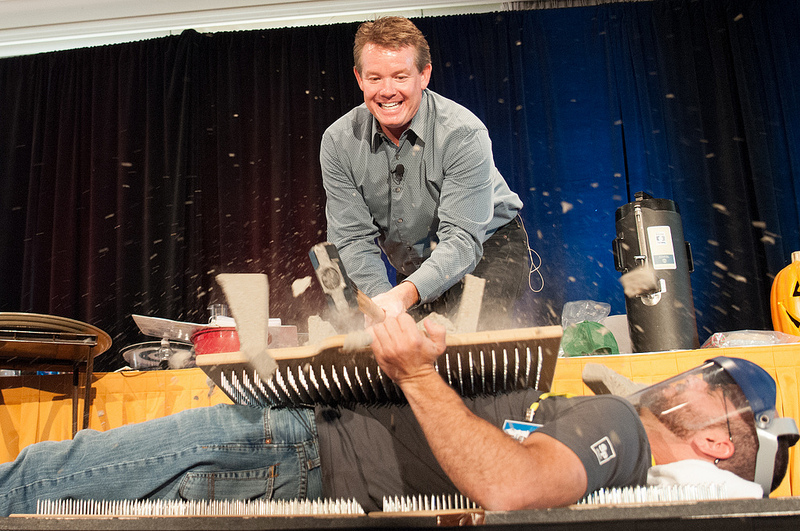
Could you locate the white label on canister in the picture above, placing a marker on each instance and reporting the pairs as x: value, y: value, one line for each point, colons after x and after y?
x: 662, y: 253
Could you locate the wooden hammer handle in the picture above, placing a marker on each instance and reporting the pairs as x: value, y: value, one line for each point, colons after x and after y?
x: 368, y: 307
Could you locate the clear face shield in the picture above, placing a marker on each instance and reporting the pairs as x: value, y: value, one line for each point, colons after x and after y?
x: 733, y: 396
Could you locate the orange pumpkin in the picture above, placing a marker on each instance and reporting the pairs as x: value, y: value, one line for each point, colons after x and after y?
x: 785, y: 298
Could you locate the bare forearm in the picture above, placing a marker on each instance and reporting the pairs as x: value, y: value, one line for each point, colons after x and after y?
x: 485, y: 464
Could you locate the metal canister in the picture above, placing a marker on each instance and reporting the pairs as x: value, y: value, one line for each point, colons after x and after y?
x: 650, y: 237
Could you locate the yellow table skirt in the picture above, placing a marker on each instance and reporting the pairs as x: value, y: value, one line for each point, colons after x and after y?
x: 39, y: 408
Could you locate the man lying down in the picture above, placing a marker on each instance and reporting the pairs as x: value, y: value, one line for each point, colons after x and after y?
x: 721, y: 416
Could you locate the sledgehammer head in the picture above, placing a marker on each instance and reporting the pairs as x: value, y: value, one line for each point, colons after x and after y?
x: 333, y: 278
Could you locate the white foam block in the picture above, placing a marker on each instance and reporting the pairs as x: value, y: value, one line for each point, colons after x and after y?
x: 248, y: 299
x: 469, y: 309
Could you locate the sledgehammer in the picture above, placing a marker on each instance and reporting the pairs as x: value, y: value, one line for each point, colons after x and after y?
x: 340, y: 290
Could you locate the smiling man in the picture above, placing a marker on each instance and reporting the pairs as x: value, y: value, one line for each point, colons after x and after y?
x: 412, y: 174
x: 392, y: 84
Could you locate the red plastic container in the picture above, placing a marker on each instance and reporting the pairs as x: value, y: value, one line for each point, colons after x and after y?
x: 217, y: 339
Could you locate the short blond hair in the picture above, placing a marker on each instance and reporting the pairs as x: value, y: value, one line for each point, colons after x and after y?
x: 393, y: 33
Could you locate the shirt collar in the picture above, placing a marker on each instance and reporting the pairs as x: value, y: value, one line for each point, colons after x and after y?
x: 415, y: 129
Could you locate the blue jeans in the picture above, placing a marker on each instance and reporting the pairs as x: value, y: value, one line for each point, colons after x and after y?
x: 220, y: 452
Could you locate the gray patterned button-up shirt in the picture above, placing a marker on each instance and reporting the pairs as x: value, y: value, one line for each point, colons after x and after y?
x: 430, y: 202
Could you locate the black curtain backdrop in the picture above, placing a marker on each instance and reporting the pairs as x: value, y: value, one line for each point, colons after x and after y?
x: 132, y: 174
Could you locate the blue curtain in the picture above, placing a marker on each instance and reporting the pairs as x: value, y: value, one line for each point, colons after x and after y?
x: 132, y: 174
x: 694, y: 101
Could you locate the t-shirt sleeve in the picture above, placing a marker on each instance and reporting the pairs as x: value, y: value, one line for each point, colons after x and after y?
x: 604, y: 432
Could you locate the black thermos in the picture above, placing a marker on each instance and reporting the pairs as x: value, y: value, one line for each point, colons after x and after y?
x: 650, y: 234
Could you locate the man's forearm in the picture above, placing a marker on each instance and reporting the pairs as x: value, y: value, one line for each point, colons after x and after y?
x: 445, y: 420
x: 486, y: 465
x: 455, y: 246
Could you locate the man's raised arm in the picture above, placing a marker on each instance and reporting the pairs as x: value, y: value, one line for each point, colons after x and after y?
x: 488, y: 466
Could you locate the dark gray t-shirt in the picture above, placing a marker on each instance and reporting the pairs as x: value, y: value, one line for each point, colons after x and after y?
x: 604, y: 432
x: 369, y: 452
